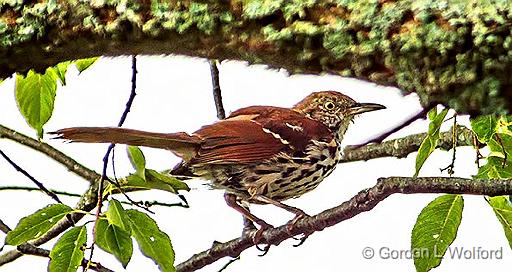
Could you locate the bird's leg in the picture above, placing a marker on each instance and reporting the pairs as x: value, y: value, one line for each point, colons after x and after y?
x: 231, y: 201
x: 299, y: 214
x: 248, y: 224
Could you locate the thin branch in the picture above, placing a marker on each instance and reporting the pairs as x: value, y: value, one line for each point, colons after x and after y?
x: 104, y: 177
x: 419, y: 115
x: 68, y: 162
x: 361, y: 202
x: 3, y: 227
x: 41, y: 252
x: 29, y: 189
x: 34, y: 180
x: 86, y: 203
x: 402, y: 147
x: 64, y: 193
x: 217, y: 95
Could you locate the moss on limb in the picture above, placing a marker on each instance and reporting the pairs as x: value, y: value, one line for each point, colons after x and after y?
x: 458, y: 53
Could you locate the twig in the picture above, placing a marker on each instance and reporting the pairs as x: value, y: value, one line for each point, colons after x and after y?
x: 503, y: 150
x: 217, y: 96
x: 107, y: 155
x: 454, y: 137
x: 419, y: 115
x: 3, y: 227
x: 34, y: 180
x: 361, y: 202
x: 56, y: 155
x: 41, y: 252
x: 29, y: 189
x: 64, y: 193
x: 229, y: 263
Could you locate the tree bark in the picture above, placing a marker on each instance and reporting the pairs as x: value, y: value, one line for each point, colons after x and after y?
x: 456, y: 53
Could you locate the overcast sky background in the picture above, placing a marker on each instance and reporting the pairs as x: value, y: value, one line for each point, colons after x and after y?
x: 174, y: 94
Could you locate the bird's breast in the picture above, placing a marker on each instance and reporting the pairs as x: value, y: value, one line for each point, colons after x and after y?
x: 289, y: 176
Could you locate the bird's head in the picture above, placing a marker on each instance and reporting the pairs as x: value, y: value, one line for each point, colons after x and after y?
x: 333, y: 109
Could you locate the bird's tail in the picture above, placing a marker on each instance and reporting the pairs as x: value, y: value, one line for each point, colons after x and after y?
x: 181, y: 143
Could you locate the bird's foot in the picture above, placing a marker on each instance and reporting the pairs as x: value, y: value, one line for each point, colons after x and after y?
x: 256, y: 239
x: 291, y: 225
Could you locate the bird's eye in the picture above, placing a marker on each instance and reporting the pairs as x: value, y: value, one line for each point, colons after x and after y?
x: 329, y: 105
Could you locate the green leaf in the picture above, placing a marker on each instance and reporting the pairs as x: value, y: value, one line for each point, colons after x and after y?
x: 116, y: 215
x: 35, y: 95
x: 37, y: 224
x: 484, y: 127
x: 59, y: 71
x: 155, y: 180
x: 157, y: 177
x: 429, y: 144
x: 115, y: 241
x: 153, y: 243
x: 67, y: 254
x: 494, y: 169
x: 435, y: 230
x: 503, y: 210
x: 138, y: 161
x: 83, y: 64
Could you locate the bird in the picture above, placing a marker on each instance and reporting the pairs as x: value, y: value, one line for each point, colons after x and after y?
x: 258, y: 154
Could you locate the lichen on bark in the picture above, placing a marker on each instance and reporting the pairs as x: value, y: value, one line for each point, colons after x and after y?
x: 457, y: 53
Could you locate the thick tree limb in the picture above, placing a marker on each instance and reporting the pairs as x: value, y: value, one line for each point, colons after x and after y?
x: 457, y: 53
x: 362, y: 202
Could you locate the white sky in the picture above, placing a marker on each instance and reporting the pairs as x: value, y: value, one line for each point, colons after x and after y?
x: 174, y: 94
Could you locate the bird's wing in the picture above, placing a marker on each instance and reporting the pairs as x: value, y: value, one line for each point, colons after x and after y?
x: 257, y: 133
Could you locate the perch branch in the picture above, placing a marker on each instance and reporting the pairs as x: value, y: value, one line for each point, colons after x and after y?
x: 361, y: 202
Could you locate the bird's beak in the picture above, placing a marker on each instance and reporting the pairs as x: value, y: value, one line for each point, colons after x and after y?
x: 364, y: 107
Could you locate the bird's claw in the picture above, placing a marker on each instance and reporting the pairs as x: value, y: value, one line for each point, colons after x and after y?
x: 291, y: 225
x: 256, y: 239
x: 302, y: 239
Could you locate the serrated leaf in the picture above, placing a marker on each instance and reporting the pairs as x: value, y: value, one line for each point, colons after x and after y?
x: 494, y: 169
x: 429, y: 144
x: 37, y: 224
x: 115, y: 241
x: 435, y: 230
x: 138, y: 161
x: 67, y: 254
x: 59, y: 71
x: 153, y: 243
x: 503, y: 210
x: 484, y: 127
x: 35, y: 95
x: 501, y: 143
x: 116, y: 215
x: 83, y: 64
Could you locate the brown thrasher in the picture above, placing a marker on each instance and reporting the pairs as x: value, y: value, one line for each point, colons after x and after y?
x: 259, y: 154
